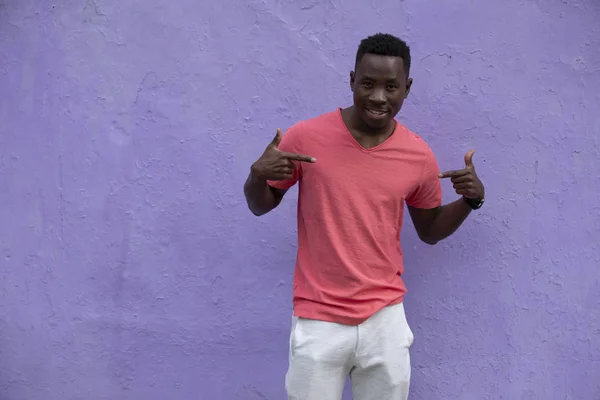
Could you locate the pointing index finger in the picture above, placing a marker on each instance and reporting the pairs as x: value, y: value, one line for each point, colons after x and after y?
x: 453, y: 174
x: 298, y: 157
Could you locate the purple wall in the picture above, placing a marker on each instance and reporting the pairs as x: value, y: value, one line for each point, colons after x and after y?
x: 130, y: 267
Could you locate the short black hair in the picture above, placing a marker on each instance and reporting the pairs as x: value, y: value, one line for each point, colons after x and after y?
x: 384, y: 44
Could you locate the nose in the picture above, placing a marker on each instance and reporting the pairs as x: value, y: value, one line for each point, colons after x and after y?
x: 377, y: 96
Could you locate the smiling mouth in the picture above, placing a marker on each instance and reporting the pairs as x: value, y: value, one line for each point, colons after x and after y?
x: 375, y: 113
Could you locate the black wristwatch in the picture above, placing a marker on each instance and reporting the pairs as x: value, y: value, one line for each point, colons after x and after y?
x: 474, y: 204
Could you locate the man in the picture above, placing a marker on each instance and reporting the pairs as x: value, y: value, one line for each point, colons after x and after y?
x: 356, y: 168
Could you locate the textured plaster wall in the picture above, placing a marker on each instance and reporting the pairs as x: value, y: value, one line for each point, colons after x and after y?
x: 130, y: 267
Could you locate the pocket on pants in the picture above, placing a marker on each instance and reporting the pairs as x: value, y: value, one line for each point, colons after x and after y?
x: 292, y: 342
x: 411, y: 335
x: 407, y: 331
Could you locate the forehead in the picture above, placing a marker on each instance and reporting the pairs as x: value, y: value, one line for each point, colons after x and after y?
x: 380, y: 67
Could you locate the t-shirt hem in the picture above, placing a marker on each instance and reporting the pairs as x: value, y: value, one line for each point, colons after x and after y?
x: 308, y: 310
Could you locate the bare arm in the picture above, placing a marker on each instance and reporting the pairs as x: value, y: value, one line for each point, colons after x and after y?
x: 433, y: 225
x: 261, y: 197
x: 273, y: 165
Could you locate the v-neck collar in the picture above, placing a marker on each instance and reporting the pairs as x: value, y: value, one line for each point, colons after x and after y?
x: 357, y: 143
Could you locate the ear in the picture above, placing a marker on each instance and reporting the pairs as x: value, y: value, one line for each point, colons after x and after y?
x: 352, y: 80
x: 409, y: 82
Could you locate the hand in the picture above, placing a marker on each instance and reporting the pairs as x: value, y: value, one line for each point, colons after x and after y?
x: 276, y: 165
x: 465, y: 181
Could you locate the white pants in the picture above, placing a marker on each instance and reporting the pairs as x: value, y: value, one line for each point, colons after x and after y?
x: 374, y: 354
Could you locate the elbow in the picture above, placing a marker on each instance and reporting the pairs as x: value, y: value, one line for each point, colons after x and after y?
x: 256, y: 212
x: 429, y: 241
x: 428, y: 234
x: 252, y: 206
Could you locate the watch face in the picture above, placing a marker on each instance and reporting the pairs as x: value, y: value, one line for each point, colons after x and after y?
x: 474, y: 204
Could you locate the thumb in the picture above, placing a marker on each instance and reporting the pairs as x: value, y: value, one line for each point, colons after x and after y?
x: 277, y: 139
x: 469, y: 159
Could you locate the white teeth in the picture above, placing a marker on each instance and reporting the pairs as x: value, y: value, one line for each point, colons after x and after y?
x: 378, y: 112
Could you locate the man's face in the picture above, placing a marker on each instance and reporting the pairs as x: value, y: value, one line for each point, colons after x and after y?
x: 380, y: 86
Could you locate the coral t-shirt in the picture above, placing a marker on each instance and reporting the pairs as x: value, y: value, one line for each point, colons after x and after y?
x: 350, y: 211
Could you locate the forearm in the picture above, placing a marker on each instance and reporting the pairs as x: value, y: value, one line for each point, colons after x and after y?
x: 447, y: 220
x: 260, y: 197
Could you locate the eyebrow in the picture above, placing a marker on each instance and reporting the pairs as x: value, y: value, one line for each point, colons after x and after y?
x: 367, y: 77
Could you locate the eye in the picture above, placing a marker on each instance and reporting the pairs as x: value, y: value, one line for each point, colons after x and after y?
x: 392, y: 86
x: 367, y: 85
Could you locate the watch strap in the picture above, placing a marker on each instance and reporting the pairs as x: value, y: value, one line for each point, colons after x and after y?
x: 474, y: 204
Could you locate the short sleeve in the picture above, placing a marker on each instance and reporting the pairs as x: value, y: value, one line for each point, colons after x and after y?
x: 290, y: 143
x: 428, y: 193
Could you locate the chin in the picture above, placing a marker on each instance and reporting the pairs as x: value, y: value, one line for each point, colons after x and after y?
x: 378, y: 123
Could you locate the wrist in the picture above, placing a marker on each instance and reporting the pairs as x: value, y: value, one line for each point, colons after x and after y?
x: 256, y: 177
x: 474, y: 204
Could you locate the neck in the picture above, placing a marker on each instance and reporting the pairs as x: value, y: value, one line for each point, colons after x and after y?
x: 357, y: 125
